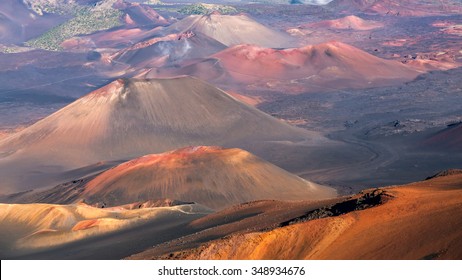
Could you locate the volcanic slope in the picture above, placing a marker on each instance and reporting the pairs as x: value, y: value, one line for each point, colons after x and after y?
x: 380, y: 224
x: 232, y: 30
x: 130, y: 118
x: 168, y: 50
x: 18, y: 23
x: 348, y: 22
x: 212, y: 176
x: 449, y: 138
x: 394, y: 7
x: 323, y: 67
x: 141, y: 15
x: 28, y: 229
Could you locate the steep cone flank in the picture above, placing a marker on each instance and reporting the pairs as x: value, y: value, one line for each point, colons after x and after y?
x: 131, y: 118
x: 232, y: 30
x: 142, y: 15
x: 449, y: 138
x: 332, y: 64
x: 173, y: 48
x: 211, y: 176
x: 324, y: 67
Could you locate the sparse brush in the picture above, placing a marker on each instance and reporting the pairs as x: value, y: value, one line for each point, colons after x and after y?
x: 86, y: 21
x: 204, y: 9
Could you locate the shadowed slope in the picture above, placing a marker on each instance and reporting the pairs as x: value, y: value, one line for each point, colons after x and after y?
x: 167, y: 50
x: 141, y: 15
x: 449, y: 138
x: 240, y: 218
x: 130, y: 118
x: 32, y: 228
x: 211, y: 176
x: 391, y: 230
x: 18, y: 23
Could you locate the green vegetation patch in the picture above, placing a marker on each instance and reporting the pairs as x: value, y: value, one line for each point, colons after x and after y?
x: 204, y: 9
x: 86, y: 21
x: 62, y: 7
x: 153, y: 2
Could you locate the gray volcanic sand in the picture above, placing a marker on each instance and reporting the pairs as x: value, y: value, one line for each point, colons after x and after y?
x: 233, y: 30
x: 393, y: 123
x: 132, y: 118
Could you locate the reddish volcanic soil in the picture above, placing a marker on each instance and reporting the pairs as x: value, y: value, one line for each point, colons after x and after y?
x: 390, y: 226
x: 212, y: 176
x: 232, y: 30
x: 449, y: 138
x: 130, y: 118
x: 321, y: 67
x: 348, y: 22
x: 448, y: 27
x: 250, y: 100
x: 109, y: 39
x: 247, y: 217
x: 166, y: 51
x: 141, y: 15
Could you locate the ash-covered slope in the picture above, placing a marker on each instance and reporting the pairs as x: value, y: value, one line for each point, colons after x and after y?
x: 348, y: 22
x: 333, y: 60
x: 168, y: 50
x: 323, y: 67
x: 140, y: 15
x: 212, y: 176
x: 232, y: 30
x: 398, y: 8
x: 130, y: 118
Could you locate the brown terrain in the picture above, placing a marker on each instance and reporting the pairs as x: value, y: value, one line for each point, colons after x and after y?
x: 167, y: 51
x: 385, y: 223
x: 32, y: 228
x: 449, y: 138
x: 336, y: 64
x: 398, y: 8
x: 136, y: 14
x: 348, y: 22
x: 232, y: 30
x: 274, y: 132
x: 138, y: 22
x: 129, y: 118
x: 212, y: 176
x: 323, y: 67
x: 109, y: 39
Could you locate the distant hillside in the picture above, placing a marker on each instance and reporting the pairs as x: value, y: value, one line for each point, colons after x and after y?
x: 232, y: 30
